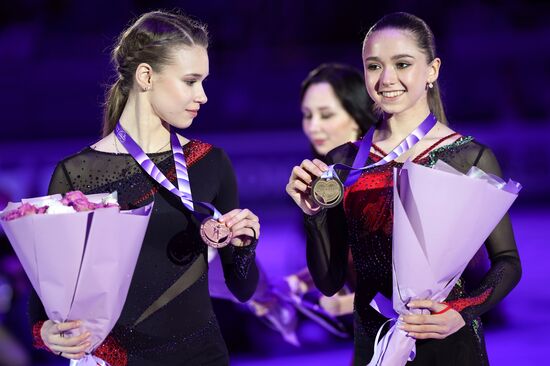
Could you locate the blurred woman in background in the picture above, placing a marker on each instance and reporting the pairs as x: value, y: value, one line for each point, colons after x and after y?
x: 336, y: 109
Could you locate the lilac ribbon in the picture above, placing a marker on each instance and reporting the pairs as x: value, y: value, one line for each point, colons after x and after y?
x: 364, y: 150
x: 494, y: 180
x: 89, y: 360
x: 184, y: 191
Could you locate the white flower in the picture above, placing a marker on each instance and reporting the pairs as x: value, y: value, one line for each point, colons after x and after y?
x: 56, y: 207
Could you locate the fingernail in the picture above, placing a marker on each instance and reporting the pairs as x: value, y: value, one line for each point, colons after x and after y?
x: 400, y: 318
x: 402, y: 327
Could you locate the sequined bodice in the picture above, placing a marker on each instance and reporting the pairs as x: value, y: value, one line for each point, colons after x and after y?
x: 368, y: 205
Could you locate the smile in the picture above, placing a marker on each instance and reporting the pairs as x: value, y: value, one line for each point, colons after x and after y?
x: 391, y: 94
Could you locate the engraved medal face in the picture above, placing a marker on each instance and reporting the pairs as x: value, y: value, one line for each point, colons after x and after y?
x: 215, y: 234
x: 327, y: 192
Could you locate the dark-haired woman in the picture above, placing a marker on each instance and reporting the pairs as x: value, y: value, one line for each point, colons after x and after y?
x: 401, y: 71
x: 336, y: 109
x: 167, y: 319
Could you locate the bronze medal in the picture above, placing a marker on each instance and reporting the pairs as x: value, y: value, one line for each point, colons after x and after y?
x: 214, y: 233
x: 327, y: 192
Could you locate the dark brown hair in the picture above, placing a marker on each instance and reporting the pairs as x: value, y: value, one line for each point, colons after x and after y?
x: 150, y: 39
x: 349, y: 87
x: 425, y: 41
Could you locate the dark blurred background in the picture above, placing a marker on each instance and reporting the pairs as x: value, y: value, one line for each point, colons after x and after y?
x: 54, y: 58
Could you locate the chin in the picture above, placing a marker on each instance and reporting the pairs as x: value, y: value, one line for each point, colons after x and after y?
x: 388, y: 109
x: 182, y: 124
x: 323, y: 151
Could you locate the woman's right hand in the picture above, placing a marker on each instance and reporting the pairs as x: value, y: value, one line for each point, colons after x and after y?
x: 299, y: 184
x: 69, y: 347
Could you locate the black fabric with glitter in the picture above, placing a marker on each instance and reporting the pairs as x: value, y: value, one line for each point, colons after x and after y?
x: 364, y: 223
x: 185, y: 331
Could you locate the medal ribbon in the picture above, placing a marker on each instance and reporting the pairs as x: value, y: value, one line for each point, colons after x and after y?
x: 184, y: 191
x: 364, y: 150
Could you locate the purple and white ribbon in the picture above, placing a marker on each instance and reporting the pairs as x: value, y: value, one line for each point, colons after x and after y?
x: 89, y: 360
x: 364, y: 150
x: 184, y: 191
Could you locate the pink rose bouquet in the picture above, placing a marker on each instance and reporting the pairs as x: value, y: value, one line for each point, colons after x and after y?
x: 79, y: 253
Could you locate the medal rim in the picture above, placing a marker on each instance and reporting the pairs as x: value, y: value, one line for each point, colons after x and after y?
x: 207, y: 240
x: 336, y: 201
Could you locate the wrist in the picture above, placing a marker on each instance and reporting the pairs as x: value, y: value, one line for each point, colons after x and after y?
x: 38, y: 340
x: 312, y: 211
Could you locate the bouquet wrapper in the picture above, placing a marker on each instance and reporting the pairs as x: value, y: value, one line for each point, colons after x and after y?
x: 441, y: 219
x: 80, y: 264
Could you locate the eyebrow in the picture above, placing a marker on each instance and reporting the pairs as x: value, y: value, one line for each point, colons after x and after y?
x: 395, y: 57
x: 322, y: 109
x: 194, y: 75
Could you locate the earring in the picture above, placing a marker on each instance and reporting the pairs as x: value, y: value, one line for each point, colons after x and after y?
x: 430, y: 85
x: 146, y: 88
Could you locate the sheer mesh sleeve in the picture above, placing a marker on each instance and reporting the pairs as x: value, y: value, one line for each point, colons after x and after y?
x: 60, y: 182
x: 505, y: 270
x: 327, y: 236
x: 239, y: 264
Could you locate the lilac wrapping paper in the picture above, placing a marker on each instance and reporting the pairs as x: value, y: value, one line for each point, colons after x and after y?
x: 441, y: 218
x: 80, y: 264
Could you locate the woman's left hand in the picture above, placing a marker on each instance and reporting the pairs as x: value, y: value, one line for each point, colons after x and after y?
x: 438, y: 326
x: 244, y: 226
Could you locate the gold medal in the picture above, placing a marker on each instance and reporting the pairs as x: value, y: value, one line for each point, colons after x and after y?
x: 327, y: 192
x: 214, y: 233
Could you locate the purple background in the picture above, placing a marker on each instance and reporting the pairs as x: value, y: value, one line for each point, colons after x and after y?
x: 55, y: 61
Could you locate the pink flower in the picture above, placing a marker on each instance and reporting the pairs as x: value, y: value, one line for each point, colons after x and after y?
x: 75, y: 199
x: 24, y: 210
